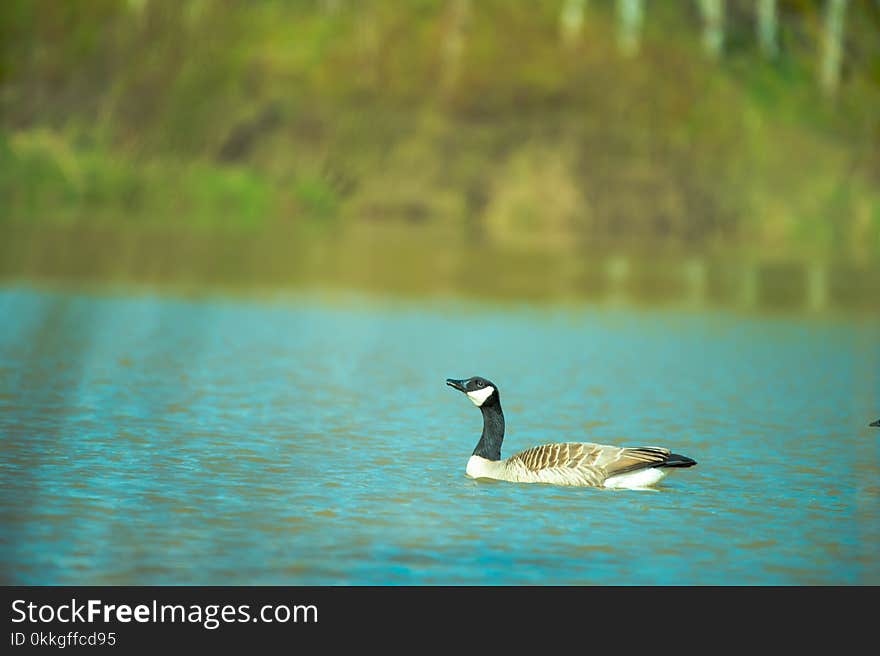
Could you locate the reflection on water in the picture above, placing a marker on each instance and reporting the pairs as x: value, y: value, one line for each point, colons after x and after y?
x: 155, y: 440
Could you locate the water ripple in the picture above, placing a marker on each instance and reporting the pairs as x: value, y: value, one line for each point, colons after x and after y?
x: 155, y: 440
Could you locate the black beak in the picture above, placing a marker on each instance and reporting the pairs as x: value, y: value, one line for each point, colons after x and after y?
x: 876, y: 423
x: 457, y: 384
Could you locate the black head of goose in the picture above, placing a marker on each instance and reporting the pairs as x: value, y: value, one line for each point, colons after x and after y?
x: 564, y: 463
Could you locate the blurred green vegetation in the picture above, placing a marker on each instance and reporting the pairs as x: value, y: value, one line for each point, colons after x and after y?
x: 301, y: 122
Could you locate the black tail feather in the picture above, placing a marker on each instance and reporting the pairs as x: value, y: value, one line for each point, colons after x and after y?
x: 678, y: 460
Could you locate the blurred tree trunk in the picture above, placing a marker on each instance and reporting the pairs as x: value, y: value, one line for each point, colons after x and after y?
x: 453, y: 46
x: 767, y: 27
x: 571, y: 21
x: 713, y: 26
x: 832, y: 40
x: 630, y: 14
x: 368, y: 43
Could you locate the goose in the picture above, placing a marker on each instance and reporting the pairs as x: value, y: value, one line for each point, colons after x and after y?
x: 582, y: 464
x: 875, y: 423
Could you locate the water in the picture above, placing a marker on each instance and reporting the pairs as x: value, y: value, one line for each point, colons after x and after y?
x: 161, y: 440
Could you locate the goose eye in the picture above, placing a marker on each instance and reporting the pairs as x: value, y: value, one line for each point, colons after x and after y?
x: 480, y: 383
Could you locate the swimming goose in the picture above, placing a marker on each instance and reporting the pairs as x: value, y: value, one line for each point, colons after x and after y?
x: 566, y: 463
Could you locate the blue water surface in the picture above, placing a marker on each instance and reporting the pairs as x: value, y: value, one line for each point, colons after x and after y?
x: 152, y: 439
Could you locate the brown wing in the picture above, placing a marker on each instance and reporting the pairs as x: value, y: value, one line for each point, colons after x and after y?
x: 561, y: 454
x: 613, y: 460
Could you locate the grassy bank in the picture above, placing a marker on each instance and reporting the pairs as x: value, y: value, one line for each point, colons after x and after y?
x: 294, y: 123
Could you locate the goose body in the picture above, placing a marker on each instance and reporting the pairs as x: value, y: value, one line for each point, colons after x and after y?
x: 584, y: 464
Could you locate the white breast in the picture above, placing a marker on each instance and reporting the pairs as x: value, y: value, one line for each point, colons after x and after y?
x: 478, y: 467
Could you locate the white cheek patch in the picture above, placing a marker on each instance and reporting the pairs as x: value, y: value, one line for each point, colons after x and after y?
x: 479, y: 396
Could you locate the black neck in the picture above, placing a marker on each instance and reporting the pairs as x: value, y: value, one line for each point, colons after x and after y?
x: 489, y: 446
